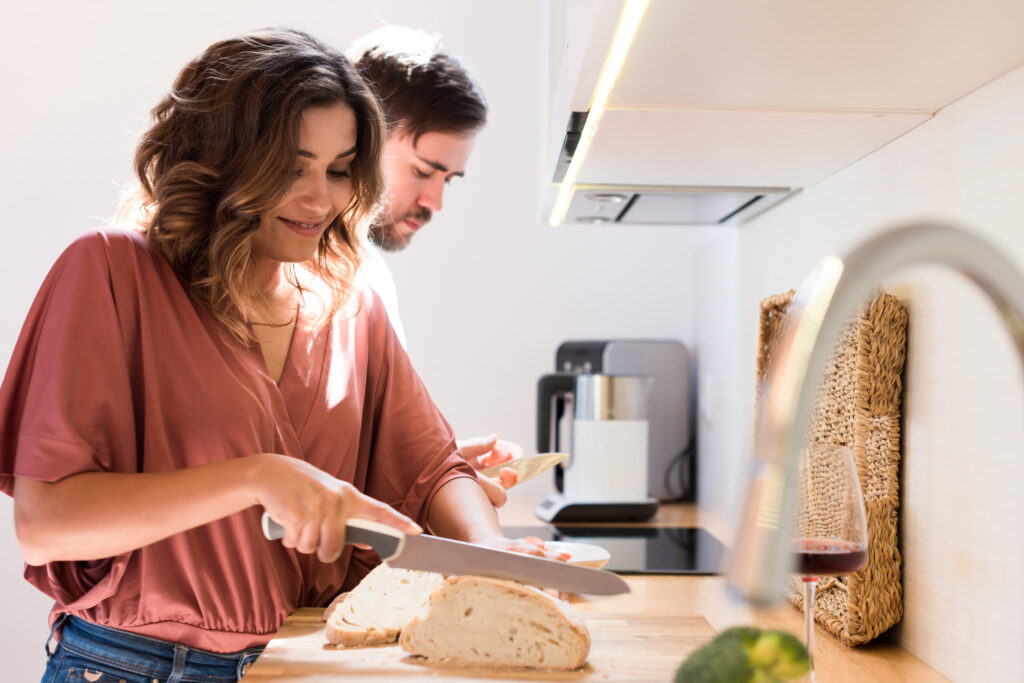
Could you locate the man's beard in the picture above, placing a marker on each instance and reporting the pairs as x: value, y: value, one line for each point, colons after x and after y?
x: 389, y: 238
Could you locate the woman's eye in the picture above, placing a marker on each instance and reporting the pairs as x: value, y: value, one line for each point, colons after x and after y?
x: 421, y: 174
x: 338, y: 174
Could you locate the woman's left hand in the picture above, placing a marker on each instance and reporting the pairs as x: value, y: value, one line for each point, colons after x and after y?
x: 531, y: 545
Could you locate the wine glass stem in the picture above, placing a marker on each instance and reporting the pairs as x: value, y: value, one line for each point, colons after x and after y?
x: 810, y: 584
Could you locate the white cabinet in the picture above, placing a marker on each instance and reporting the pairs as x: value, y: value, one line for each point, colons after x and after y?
x: 742, y: 94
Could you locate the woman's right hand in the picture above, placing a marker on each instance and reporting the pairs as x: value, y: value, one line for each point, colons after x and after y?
x: 313, y: 506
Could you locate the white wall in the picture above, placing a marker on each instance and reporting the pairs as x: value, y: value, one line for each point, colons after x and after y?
x: 963, y: 473
x: 487, y: 291
x: 722, y: 364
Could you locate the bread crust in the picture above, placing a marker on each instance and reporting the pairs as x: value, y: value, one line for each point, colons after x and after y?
x: 556, y: 622
x: 374, y: 612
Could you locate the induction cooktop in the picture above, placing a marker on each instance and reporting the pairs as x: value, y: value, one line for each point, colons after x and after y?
x: 637, y: 550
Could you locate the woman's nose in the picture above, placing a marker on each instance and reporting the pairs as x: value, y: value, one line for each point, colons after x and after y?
x: 315, y: 194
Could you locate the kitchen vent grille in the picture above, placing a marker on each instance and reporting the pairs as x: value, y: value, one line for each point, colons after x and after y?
x: 670, y: 205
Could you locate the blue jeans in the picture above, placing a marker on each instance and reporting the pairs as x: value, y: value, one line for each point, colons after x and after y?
x: 99, y: 654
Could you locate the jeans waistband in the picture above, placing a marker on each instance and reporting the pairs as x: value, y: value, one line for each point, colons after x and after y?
x: 95, y: 640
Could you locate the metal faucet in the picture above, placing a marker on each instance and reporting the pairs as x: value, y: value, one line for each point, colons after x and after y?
x: 825, y: 303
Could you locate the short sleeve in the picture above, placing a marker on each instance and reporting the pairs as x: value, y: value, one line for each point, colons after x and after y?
x: 414, y: 452
x: 66, y: 400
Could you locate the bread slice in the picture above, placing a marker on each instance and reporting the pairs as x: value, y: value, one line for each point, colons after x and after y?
x: 374, y: 612
x: 476, y: 621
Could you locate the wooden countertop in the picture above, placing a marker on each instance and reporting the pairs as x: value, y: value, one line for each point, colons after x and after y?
x: 639, y: 636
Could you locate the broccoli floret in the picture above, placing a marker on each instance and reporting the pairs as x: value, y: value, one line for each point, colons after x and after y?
x: 780, y: 655
x: 746, y: 655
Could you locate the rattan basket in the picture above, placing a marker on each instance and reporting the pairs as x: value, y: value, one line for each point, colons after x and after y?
x: 858, y: 405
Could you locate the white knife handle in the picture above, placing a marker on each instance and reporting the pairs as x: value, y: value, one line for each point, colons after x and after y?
x: 387, y: 541
x: 271, y: 529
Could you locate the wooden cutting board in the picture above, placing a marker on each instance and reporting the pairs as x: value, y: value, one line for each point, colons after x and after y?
x: 624, y: 647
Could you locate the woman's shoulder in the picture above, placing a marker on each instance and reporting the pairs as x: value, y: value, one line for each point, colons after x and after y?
x: 373, y: 309
x: 366, y: 303
x: 109, y: 247
x: 113, y: 255
x: 110, y: 239
x: 358, y: 300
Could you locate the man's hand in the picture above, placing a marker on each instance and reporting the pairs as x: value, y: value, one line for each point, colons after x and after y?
x: 486, y: 451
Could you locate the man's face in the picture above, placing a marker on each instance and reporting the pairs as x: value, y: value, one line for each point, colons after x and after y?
x: 417, y: 174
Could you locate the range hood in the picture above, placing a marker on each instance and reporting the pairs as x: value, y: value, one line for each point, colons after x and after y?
x: 655, y: 205
x: 595, y: 203
x: 720, y: 113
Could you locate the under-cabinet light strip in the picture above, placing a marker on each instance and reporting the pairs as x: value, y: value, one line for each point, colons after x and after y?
x: 625, y: 32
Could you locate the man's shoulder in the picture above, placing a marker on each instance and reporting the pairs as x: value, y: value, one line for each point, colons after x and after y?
x: 375, y: 272
x: 375, y: 276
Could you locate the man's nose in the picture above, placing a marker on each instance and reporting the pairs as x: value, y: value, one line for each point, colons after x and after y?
x: 432, y: 194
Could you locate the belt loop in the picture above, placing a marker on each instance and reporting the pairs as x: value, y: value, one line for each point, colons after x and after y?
x: 247, y: 659
x: 178, y: 671
x: 243, y: 667
x: 57, y: 623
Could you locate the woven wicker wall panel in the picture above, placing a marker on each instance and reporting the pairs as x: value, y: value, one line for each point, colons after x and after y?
x: 858, y: 406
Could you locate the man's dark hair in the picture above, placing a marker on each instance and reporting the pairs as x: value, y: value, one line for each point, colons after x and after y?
x: 421, y: 87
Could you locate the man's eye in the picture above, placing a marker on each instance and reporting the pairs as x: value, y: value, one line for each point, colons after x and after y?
x: 421, y: 174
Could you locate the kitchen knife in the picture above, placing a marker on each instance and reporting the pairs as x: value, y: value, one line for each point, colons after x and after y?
x: 446, y: 556
x: 527, y: 467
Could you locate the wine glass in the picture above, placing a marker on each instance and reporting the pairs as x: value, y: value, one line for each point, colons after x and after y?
x: 831, y: 532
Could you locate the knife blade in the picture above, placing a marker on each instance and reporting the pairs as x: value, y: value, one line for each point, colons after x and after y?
x: 527, y: 467
x: 448, y: 556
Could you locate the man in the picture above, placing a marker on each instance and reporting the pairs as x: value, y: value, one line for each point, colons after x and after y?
x: 434, y: 111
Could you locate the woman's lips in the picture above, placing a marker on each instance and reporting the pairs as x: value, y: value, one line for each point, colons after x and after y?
x: 302, y: 227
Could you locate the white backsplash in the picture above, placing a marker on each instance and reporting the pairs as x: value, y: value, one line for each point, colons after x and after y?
x: 962, y: 518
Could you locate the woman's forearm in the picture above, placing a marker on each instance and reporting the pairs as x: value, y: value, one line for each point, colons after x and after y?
x: 101, y: 514
x: 462, y: 511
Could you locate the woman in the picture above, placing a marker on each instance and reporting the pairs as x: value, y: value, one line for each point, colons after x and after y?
x: 171, y: 384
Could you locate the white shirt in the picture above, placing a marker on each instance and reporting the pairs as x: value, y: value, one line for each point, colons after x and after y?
x: 375, y: 272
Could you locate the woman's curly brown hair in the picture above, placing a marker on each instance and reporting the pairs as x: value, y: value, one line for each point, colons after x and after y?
x: 220, y: 155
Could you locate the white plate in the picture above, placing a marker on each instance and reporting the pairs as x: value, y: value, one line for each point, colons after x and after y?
x: 583, y: 554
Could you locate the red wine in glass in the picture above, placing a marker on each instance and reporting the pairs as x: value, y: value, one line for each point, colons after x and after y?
x: 828, y: 557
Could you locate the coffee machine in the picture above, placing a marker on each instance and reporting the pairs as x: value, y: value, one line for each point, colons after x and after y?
x: 604, y: 389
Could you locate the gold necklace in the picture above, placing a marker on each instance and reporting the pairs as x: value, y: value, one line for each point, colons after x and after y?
x: 288, y: 323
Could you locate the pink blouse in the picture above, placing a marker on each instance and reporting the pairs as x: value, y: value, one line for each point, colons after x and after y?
x: 117, y: 370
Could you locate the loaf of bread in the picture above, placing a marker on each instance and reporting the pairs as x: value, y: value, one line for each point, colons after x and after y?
x: 476, y: 621
x: 374, y: 612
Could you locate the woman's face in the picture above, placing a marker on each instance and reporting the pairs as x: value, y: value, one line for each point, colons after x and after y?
x: 320, y: 189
